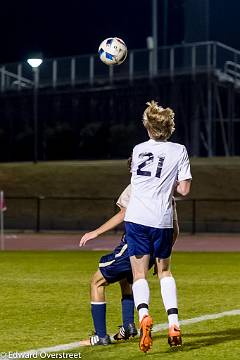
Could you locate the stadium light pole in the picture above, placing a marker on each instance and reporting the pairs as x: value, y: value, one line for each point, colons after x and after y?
x: 155, y: 36
x: 35, y: 63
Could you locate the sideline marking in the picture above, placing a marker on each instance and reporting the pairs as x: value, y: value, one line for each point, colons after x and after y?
x: 198, y: 319
x: 156, y: 328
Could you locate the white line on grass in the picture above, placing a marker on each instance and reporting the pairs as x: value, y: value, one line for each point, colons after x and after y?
x: 198, y: 319
x: 156, y: 328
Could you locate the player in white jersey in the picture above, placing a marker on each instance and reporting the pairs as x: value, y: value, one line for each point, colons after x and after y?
x: 159, y: 167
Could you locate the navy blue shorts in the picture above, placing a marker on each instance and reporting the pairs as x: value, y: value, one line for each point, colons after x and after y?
x: 144, y: 240
x: 116, y: 266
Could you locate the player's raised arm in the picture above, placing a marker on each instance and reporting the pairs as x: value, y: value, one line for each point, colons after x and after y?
x: 108, y: 225
x: 117, y: 219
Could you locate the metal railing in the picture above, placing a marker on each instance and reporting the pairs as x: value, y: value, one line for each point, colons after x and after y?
x: 89, y: 70
x: 42, y: 213
x: 232, y: 69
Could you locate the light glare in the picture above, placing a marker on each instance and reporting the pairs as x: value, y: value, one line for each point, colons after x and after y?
x: 34, y: 62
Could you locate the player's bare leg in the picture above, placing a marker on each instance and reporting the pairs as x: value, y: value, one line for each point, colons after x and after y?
x: 97, y: 287
x: 128, y: 328
x: 169, y: 296
x: 98, y: 309
x: 175, y: 230
x: 141, y: 294
x: 97, y: 290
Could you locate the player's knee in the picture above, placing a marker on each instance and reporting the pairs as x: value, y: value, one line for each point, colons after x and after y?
x: 97, y: 280
x: 93, y: 284
x: 163, y: 267
x: 139, y: 276
x: 162, y: 274
x: 94, y: 280
x: 126, y: 288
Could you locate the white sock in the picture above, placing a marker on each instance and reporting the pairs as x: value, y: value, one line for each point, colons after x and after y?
x: 141, y: 296
x: 169, y: 297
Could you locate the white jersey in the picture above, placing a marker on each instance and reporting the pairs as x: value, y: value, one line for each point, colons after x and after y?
x: 156, y: 168
x: 124, y: 199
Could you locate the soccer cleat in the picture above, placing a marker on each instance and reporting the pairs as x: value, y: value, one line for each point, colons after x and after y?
x: 131, y: 330
x: 96, y: 340
x: 174, y: 336
x: 145, y: 342
x: 125, y: 334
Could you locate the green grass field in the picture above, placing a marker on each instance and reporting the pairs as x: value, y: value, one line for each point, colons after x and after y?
x: 44, y: 299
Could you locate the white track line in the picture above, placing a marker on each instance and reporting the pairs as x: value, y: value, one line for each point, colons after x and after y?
x: 156, y: 328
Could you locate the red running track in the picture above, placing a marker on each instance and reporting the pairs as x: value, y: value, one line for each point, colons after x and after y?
x: 69, y: 241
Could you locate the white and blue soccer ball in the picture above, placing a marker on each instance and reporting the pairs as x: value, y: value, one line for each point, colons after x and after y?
x: 112, y: 51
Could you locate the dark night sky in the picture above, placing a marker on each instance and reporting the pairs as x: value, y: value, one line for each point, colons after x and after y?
x: 60, y: 28
x: 63, y: 28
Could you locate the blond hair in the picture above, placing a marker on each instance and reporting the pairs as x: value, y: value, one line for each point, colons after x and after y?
x: 158, y: 121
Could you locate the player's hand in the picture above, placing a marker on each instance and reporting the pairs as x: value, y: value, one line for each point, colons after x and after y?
x: 88, y: 236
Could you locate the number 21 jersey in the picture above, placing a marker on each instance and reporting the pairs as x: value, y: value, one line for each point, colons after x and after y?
x: 157, y: 166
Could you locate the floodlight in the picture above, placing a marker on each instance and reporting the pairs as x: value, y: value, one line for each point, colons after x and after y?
x: 34, y: 63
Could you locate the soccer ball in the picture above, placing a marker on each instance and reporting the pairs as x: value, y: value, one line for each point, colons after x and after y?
x: 112, y: 51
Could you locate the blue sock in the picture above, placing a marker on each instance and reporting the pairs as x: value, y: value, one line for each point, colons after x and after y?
x: 127, y: 310
x: 99, y: 318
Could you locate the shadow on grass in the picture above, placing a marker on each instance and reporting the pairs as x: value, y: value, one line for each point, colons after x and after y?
x: 191, y: 341
x: 209, y: 338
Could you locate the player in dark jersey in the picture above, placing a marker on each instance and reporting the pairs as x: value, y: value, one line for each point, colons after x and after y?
x: 114, y: 267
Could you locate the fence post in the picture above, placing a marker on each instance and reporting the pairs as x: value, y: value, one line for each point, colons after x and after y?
x: 131, y: 66
x: 73, y: 71
x: 38, y: 217
x: 3, y: 80
x: 91, y: 70
x: 193, y: 216
x: 54, y: 73
x: 111, y: 74
x: 193, y: 62
x: 172, y: 62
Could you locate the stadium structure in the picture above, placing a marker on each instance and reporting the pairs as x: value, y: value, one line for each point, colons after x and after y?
x: 85, y: 99
x: 76, y: 107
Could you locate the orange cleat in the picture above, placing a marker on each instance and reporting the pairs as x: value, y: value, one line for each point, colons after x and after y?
x: 145, y: 342
x: 174, y: 336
